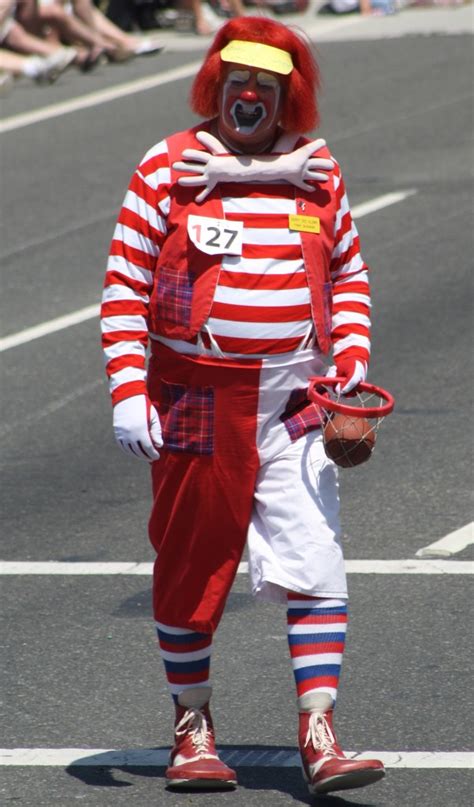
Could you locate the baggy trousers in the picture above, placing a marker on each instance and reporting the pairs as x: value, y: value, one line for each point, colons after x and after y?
x: 242, y: 460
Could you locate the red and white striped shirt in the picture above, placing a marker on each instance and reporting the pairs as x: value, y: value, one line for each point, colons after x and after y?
x: 262, y: 301
x: 261, y: 305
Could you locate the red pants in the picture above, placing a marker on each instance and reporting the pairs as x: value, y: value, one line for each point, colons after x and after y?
x: 203, y: 483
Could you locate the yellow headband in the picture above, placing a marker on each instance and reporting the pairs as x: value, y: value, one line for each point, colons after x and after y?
x: 256, y: 54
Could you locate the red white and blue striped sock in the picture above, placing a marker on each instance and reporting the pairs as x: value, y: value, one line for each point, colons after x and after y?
x: 316, y: 635
x: 186, y: 656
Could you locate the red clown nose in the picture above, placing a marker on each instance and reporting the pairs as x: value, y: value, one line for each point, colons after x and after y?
x: 249, y: 95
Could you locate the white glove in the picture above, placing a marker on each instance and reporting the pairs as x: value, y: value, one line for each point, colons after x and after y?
x: 352, y: 370
x: 137, y: 428
x: 218, y: 165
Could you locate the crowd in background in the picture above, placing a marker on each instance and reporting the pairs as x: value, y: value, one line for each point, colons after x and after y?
x: 40, y: 39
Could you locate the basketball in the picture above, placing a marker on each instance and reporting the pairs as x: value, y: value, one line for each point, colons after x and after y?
x: 348, y: 440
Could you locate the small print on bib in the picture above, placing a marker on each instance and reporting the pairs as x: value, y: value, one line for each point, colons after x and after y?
x: 304, y: 224
x: 216, y: 236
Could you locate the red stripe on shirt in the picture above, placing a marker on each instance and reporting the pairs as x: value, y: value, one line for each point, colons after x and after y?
x: 255, y: 313
x: 261, y: 220
x: 260, y: 190
x: 128, y: 390
x: 282, y: 252
x: 115, y: 278
x: 111, y: 337
x: 133, y: 255
x: 133, y: 220
x: 247, y: 280
x: 256, y: 347
x: 124, y: 308
x: 125, y: 361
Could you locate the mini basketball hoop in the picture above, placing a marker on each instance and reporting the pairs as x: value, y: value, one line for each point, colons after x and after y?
x: 349, y: 430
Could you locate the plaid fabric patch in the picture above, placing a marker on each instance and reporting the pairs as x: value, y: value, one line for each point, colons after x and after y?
x: 174, y: 293
x: 300, y: 415
x: 188, y: 418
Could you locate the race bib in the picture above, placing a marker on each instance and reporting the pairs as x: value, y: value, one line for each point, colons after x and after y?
x: 216, y: 236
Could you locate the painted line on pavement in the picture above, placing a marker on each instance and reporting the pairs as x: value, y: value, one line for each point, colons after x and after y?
x: 98, y: 97
x: 91, y: 311
x: 409, y: 567
x: 54, y: 567
x: 258, y: 758
x: 380, y: 202
x: 451, y: 544
x: 45, y: 328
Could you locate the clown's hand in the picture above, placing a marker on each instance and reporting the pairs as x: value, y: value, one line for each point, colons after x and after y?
x: 209, y: 168
x: 217, y: 165
x: 298, y: 166
x: 137, y: 428
x: 352, y: 370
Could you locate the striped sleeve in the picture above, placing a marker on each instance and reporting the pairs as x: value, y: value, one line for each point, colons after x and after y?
x: 350, y: 328
x: 136, y: 244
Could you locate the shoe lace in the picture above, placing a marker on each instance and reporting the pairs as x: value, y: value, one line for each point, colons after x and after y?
x: 320, y: 735
x: 194, y: 723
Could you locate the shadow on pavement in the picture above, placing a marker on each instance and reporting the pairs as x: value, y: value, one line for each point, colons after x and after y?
x: 101, y: 770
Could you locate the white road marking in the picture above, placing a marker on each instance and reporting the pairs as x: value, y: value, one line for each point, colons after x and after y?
x: 53, y: 567
x: 74, y: 568
x: 45, y: 328
x: 380, y: 202
x: 409, y: 567
x: 91, y: 311
x: 158, y: 758
x: 449, y: 545
x: 99, y: 97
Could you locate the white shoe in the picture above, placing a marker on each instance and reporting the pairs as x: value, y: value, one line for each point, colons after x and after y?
x: 147, y: 47
x: 56, y: 63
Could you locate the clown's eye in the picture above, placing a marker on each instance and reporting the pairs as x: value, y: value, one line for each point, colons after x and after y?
x: 267, y: 81
x: 239, y: 76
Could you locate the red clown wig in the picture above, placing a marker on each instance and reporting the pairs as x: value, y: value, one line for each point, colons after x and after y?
x: 300, y: 110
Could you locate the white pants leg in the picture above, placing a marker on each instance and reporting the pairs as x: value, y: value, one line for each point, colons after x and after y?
x: 294, y: 535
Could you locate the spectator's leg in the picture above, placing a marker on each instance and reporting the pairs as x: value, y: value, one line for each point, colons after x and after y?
x: 17, y: 65
x: 201, y: 24
x: 69, y: 27
x: 22, y: 41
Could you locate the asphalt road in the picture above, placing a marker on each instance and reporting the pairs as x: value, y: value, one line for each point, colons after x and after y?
x: 80, y: 667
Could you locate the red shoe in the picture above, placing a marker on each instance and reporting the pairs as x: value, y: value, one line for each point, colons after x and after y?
x: 194, y: 762
x: 325, y: 767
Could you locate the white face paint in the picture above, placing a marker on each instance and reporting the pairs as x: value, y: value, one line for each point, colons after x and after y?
x: 250, y: 107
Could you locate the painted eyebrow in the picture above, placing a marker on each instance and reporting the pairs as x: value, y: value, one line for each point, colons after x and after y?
x: 267, y: 78
x: 239, y: 75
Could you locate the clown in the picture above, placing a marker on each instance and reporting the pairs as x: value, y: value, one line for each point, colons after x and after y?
x: 236, y: 260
